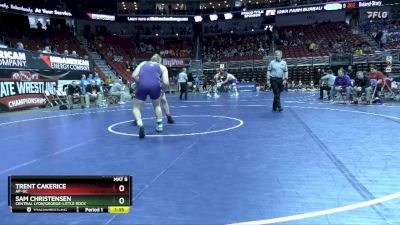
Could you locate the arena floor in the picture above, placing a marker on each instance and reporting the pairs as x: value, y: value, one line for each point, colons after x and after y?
x: 228, y: 160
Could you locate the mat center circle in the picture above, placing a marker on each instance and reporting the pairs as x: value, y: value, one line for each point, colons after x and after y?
x: 233, y: 124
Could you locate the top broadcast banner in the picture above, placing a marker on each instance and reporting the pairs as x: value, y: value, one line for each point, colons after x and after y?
x: 282, y: 11
x: 329, y: 7
x: 14, y: 59
x: 246, y: 14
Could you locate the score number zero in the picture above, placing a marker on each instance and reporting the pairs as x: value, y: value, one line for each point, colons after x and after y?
x: 121, y: 188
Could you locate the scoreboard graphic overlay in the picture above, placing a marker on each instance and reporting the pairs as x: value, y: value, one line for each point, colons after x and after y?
x: 70, y: 194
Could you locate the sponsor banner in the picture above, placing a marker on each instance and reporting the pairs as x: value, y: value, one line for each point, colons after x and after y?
x: 65, y: 63
x: 169, y: 62
x: 334, y: 6
x: 370, y: 4
x: 26, y: 101
x: 34, y: 74
x: 23, y: 75
x: 270, y: 12
x: 94, y: 16
x: 246, y: 87
x: 252, y: 13
x: 45, y: 65
x: 157, y: 19
x: 300, y: 10
x: 52, y: 12
x: 17, y: 94
x: 10, y: 58
x: 25, y: 9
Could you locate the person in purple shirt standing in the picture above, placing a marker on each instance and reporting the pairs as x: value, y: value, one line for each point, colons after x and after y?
x: 342, y: 83
x: 151, y: 78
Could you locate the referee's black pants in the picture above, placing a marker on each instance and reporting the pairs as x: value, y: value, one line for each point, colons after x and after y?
x: 183, y: 86
x: 277, y: 88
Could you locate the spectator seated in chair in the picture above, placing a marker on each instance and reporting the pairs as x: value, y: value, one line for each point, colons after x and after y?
x: 362, y: 84
x: 326, y: 83
x: 342, y: 84
x: 74, y: 91
x: 300, y: 85
x: 74, y: 54
x: 377, y: 76
x: 132, y: 88
x: 292, y: 85
x: 118, y: 90
x: 311, y: 86
x: 93, y: 92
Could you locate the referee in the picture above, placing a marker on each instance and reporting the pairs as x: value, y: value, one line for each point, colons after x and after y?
x: 182, y: 80
x: 277, y: 76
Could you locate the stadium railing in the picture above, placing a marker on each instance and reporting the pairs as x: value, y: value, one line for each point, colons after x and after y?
x: 303, y: 61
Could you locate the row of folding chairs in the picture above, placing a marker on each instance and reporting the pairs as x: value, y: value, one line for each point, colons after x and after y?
x: 55, y: 99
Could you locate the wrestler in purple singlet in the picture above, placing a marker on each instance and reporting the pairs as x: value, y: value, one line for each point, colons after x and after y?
x: 149, y: 81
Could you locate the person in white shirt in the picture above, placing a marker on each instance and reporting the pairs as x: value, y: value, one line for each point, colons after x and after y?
x: 182, y: 80
x: 277, y: 75
x: 117, y: 89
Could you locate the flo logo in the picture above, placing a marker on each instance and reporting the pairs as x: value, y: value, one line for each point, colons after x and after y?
x: 377, y: 15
